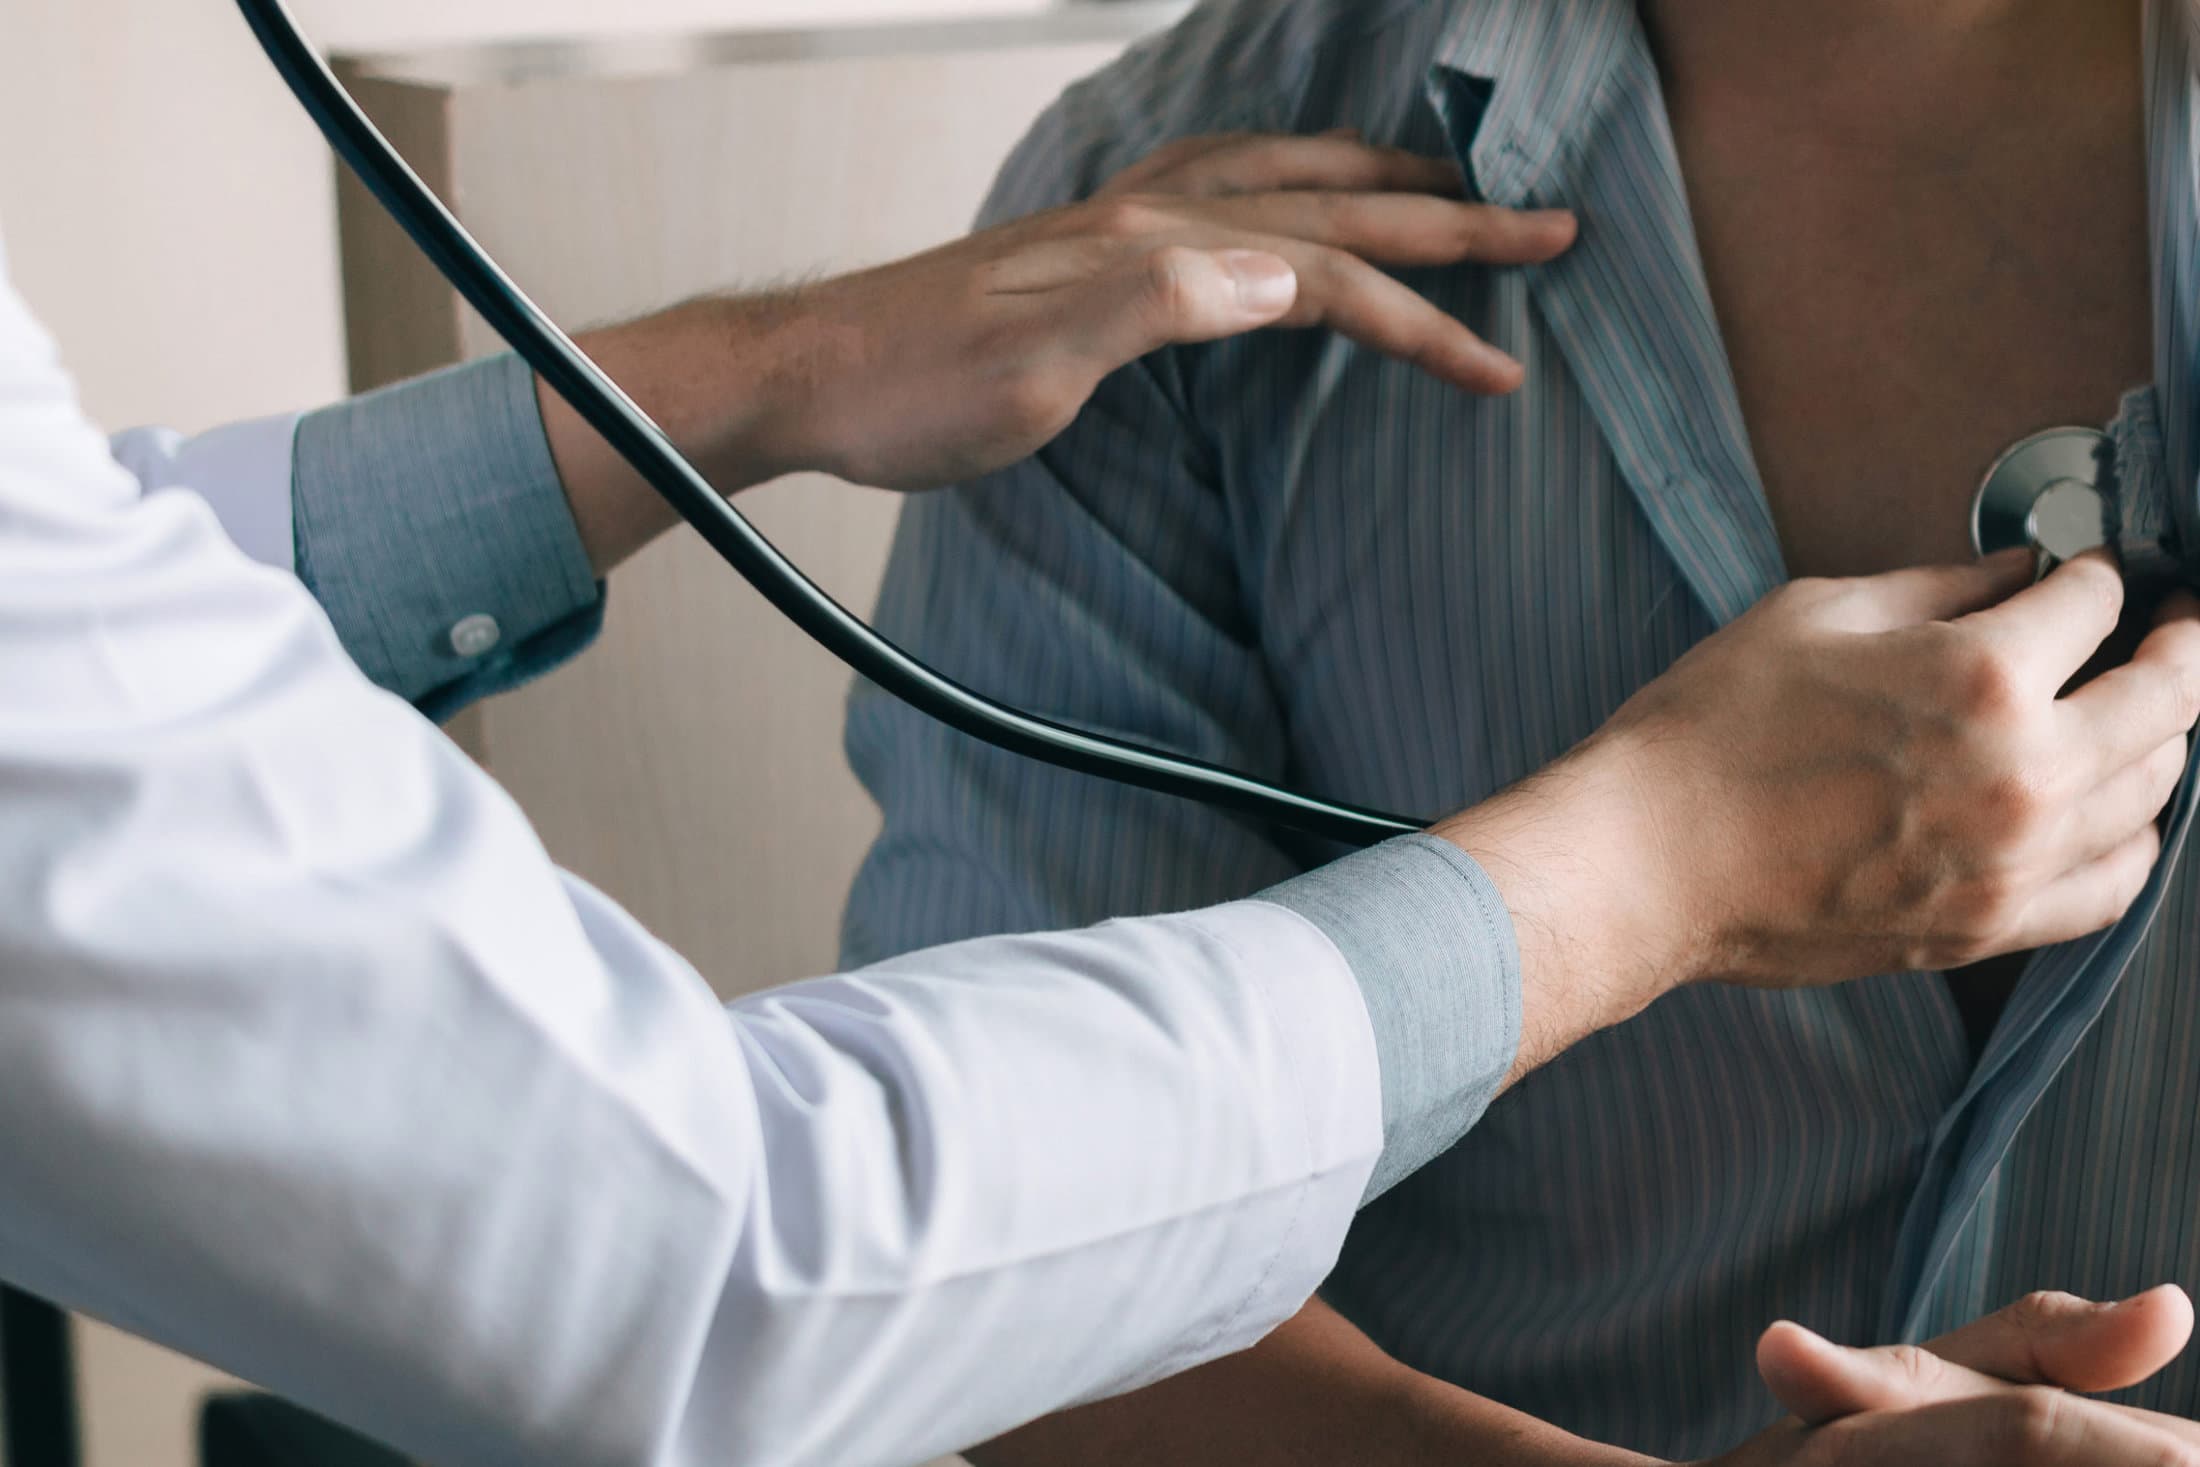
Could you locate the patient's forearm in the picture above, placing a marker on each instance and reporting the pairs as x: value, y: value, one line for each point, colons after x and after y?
x: 1316, y: 1393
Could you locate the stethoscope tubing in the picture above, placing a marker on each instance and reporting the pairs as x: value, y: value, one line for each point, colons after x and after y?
x: 645, y: 446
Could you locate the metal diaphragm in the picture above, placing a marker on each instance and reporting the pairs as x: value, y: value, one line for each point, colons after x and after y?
x: 2046, y: 494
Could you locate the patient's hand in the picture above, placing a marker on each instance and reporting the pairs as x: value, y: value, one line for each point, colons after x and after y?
x: 1994, y: 1393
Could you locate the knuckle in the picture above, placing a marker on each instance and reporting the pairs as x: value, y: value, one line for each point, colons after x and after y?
x: 2166, y: 767
x: 1332, y: 267
x: 2101, y: 584
x: 1981, y: 910
x: 1477, y: 226
x: 2019, y: 803
x: 1804, y: 591
x: 1335, y: 215
x: 1128, y: 216
x: 2042, y: 1308
x: 2131, y: 882
x: 1031, y: 404
x: 1178, y: 287
x: 2182, y: 692
x: 1170, y: 156
x: 2031, y: 1419
x: 1988, y: 684
x: 2179, y: 641
x: 1916, y: 1365
x: 1169, y: 281
x: 1843, y: 1443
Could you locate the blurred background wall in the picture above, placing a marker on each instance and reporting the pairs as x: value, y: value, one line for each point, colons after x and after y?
x: 164, y: 204
x: 170, y: 216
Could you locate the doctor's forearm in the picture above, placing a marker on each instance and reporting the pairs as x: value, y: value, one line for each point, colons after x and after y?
x: 708, y: 372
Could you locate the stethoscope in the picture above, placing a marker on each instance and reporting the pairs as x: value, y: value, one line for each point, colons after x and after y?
x: 638, y: 440
x: 2058, y: 494
x: 2053, y: 492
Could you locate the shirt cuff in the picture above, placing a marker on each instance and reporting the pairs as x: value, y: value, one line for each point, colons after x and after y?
x: 431, y: 524
x: 242, y: 472
x: 1432, y: 946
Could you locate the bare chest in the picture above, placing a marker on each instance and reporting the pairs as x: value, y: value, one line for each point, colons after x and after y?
x: 1896, y: 319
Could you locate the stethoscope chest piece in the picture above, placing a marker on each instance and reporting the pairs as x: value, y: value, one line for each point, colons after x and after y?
x: 2046, y: 494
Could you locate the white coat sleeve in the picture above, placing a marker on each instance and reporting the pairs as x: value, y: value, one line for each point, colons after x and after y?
x: 313, y: 1066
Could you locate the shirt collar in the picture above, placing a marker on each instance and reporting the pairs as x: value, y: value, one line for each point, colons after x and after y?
x: 1523, y: 83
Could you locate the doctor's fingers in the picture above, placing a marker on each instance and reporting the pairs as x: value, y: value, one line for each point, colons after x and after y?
x: 1347, y: 295
x: 1181, y: 292
x: 1239, y: 163
x: 2049, y: 631
x: 2123, y: 716
x: 2088, y: 899
x: 2130, y: 800
x: 1916, y: 595
x: 1400, y: 229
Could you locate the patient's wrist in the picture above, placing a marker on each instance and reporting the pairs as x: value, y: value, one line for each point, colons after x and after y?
x: 1442, y: 1425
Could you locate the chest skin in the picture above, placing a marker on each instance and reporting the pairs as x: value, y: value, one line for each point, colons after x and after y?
x: 1907, y: 288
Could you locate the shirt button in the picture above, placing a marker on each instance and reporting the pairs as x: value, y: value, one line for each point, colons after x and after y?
x: 476, y: 636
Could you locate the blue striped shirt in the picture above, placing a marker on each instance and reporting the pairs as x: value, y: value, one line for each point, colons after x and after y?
x: 1291, y: 556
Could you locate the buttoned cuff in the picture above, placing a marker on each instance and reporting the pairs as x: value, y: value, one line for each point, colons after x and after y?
x: 431, y: 525
x: 1432, y: 947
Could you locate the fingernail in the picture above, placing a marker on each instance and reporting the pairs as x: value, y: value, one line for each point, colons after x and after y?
x: 1266, y: 286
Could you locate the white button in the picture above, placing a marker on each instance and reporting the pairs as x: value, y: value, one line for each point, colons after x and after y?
x: 476, y: 636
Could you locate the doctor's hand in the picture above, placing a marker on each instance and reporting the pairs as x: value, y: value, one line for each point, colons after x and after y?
x: 971, y: 357
x: 976, y: 355
x: 1993, y: 1393
x: 1856, y: 777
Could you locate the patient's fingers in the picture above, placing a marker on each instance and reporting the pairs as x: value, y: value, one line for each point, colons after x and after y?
x: 2044, y: 1341
x: 2028, y: 1426
x: 1401, y: 228
x: 2060, y: 1339
x: 1820, y: 1381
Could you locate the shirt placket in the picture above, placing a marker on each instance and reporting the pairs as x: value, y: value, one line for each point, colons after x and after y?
x: 2066, y: 989
x: 1629, y: 304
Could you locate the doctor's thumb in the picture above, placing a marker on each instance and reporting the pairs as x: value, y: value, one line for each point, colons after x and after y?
x: 1179, y: 294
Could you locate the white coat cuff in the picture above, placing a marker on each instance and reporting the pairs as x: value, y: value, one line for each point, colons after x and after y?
x: 1330, y: 1089
x: 243, y: 471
